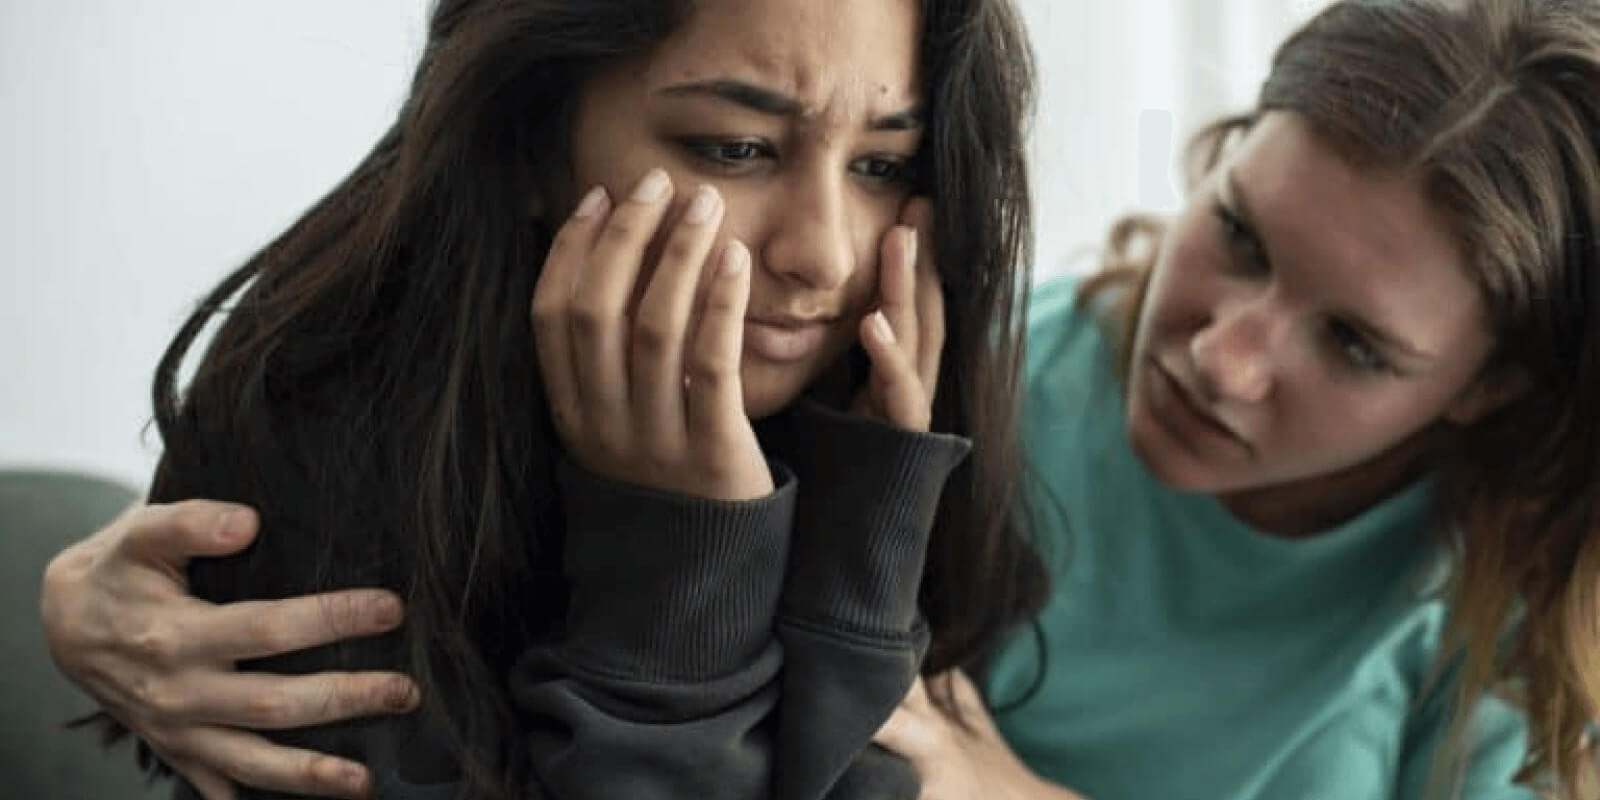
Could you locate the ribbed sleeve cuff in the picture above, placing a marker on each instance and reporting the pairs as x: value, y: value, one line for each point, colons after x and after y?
x: 671, y: 587
x: 868, y: 495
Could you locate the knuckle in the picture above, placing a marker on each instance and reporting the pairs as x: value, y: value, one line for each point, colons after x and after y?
x: 60, y: 593
x: 268, y: 632
x: 158, y: 696
x: 709, y: 372
x: 717, y: 471
x: 590, y: 318
x: 546, y: 314
x: 679, y: 249
x: 622, y: 229
x: 249, y: 770
x: 156, y: 644
x: 652, y: 336
x: 270, y: 708
x: 722, y: 300
x: 712, y: 365
x: 566, y: 418
x: 611, y: 445
x: 66, y: 568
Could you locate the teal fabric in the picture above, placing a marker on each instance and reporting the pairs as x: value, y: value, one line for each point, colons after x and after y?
x: 40, y: 513
x: 1190, y: 656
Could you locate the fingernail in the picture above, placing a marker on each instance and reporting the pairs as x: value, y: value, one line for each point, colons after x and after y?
x: 593, y: 203
x: 735, y: 258
x: 653, y: 187
x: 881, y: 323
x: 704, y: 206
x: 225, y: 526
x: 402, y: 696
x: 355, y: 779
x: 387, y: 611
x: 232, y: 524
x: 911, y: 245
x: 332, y: 771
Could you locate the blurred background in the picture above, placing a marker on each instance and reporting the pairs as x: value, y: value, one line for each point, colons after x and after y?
x: 148, y: 146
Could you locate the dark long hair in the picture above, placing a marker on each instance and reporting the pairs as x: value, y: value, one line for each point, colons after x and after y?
x: 1495, y: 106
x: 373, y: 389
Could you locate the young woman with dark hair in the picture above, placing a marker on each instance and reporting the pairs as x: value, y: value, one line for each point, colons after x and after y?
x: 708, y: 207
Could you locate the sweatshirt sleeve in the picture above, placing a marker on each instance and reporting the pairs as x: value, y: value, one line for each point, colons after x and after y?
x: 664, y: 684
x: 706, y: 656
x: 852, y: 636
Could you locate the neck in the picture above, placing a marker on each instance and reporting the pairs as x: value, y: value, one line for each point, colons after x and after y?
x: 1304, y: 508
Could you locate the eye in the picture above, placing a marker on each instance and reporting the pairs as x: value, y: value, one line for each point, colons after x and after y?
x: 895, y: 170
x: 730, y: 155
x: 1355, y: 350
x: 1248, y: 255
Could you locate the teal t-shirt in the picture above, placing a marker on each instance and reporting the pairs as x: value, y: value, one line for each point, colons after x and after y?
x: 1186, y: 655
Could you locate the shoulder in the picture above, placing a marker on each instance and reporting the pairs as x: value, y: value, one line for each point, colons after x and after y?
x: 1069, y: 368
x: 1054, y: 317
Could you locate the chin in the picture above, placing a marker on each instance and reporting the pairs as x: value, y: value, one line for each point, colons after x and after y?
x: 770, y: 388
x: 1171, y: 469
x: 766, y: 394
x: 758, y: 404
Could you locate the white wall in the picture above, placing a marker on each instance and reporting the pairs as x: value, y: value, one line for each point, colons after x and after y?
x: 148, y: 146
x: 1105, y: 145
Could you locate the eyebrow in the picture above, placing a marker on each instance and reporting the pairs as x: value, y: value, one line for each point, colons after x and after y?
x: 1241, y: 208
x: 767, y: 101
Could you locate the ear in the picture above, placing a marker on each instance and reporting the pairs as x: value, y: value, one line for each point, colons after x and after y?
x: 1490, y: 392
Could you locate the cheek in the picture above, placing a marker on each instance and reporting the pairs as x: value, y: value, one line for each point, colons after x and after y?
x: 1176, y: 301
x: 874, y: 216
x: 746, y: 215
x: 1324, y: 413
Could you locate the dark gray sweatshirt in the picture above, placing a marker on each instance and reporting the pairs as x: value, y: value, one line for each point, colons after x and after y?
x: 727, y: 650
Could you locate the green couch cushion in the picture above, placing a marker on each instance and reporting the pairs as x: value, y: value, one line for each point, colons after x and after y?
x: 40, y: 513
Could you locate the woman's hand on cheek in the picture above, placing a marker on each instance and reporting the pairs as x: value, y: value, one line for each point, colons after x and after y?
x: 904, y: 338
x: 121, y: 624
x: 644, y: 382
x: 956, y: 761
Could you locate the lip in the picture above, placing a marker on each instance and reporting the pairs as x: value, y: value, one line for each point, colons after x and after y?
x: 789, y: 320
x: 785, y: 339
x: 1178, y: 411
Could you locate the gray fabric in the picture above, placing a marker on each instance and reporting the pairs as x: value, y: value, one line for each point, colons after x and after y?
x: 700, y: 663
x: 40, y: 513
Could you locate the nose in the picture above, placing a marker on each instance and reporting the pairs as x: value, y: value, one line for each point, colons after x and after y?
x: 1233, y: 355
x: 810, y: 243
